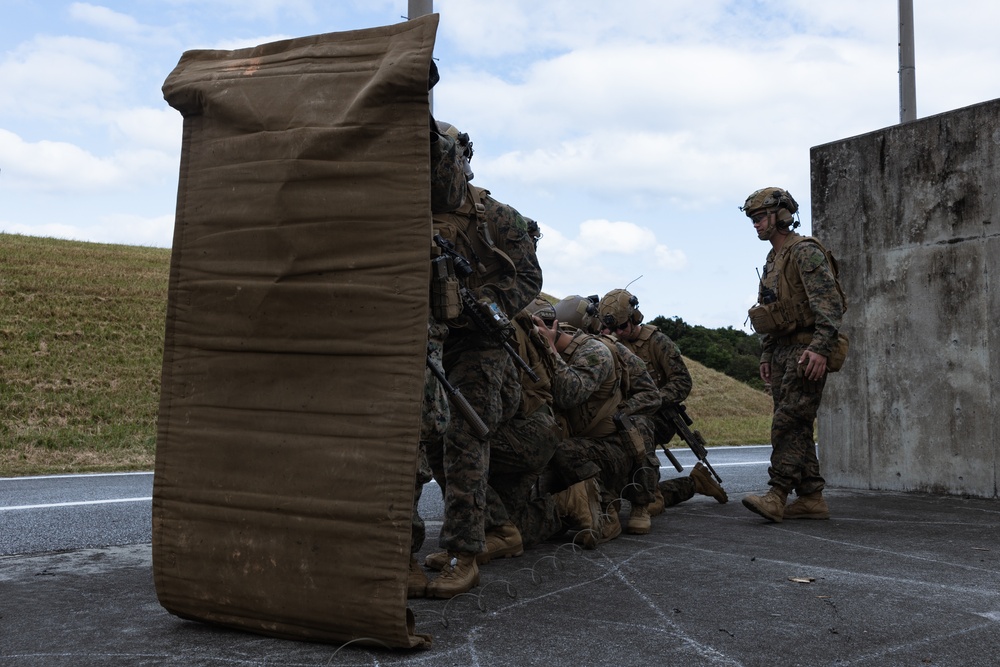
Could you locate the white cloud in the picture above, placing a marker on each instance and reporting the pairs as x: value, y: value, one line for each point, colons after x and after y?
x: 61, y: 77
x: 57, y: 166
x: 54, y: 165
x: 158, y: 129
x: 102, y: 17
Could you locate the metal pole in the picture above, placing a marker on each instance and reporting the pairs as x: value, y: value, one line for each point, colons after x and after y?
x: 907, y: 68
x: 415, y: 9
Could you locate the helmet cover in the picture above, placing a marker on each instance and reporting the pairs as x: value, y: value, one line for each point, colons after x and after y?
x: 617, y: 308
x: 769, y: 199
x: 580, y: 312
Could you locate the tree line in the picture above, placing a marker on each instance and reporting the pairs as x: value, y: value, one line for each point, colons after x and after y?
x: 727, y: 350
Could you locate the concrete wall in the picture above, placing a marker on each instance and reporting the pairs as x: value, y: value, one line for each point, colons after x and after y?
x: 912, y: 213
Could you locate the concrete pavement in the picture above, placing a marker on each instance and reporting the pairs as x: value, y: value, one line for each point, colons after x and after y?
x: 892, y: 579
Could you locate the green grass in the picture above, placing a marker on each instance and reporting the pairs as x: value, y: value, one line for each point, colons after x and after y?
x: 81, y: 349
x: 81, y: 346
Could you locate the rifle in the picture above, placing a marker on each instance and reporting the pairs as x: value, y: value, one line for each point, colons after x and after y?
x: 455, y: 396
x: 485, y: 315
x: 678, y: 416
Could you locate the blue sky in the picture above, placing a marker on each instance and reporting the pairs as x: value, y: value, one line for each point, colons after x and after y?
x: 632, y: 135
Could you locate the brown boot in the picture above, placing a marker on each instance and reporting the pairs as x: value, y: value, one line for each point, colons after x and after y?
x: 437, y: 560
x: 638, y: 521
x: 771, y: 505
x: 579, y: 507
x: 416, y: 585
x: 459, y: 576
x: 809, y: 506
x: 504, y: 541
x: 656, y: 507
x: 611, y: 524
x: 706, y: 485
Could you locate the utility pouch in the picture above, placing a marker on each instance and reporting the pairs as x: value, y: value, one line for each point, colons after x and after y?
x: 839, y: 354
x: 631, y: 437
x: 446, y: 300
x: 771, y: 319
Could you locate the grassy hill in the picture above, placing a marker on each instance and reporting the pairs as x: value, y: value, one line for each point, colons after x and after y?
x: 81, y: 346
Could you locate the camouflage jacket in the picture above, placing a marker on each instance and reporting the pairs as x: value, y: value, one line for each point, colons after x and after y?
x: 642, y: 397
x: 596, y: 377
x: 663, y: 362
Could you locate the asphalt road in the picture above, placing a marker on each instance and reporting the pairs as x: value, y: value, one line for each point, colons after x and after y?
x: 67, y: 512
x: 892, y: 579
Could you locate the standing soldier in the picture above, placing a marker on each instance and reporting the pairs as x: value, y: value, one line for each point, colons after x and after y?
x: 484, y: 266
x: 799, y: 309
x: 619, y: 313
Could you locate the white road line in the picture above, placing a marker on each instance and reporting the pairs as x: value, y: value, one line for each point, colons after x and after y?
x: 79, y: 502
x: 83, y: 474
x: 721, y: 465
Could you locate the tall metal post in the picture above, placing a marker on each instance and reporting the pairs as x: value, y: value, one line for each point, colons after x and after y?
x: 907, y: 68
x: 415, y: 9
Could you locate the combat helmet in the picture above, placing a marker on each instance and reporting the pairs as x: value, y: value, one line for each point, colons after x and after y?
x: 770, y: 199
x: 543, y: 309
x: 463, y: 142
x: 618, y: 308
x: 449, y: 182
x: 579, y: 312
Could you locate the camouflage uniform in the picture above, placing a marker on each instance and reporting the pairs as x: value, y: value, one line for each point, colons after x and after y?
x: 794, y: 465
x: 584, y: 388
x: 435, y: 413
x: 522, y: 446
x: 665, y: 365
x: 478, y: 369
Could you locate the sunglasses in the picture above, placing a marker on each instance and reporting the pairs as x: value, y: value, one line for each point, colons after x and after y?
x: 757, y: 217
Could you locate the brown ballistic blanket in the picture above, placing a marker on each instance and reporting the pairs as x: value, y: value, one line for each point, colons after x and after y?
x: 296, y: 336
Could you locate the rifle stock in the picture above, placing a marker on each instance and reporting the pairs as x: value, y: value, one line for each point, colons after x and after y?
x: 479, y: 427
x: 679, y: 418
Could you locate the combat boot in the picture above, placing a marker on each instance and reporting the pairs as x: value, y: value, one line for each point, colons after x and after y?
x: 611, y: 524
x: 657, y: 506
x: 416, y: 584
x: 504, y: 541
x: 579, y: 507
x: 436, y: 560
x: 638, y: 521
x: 459, y: 576
x: 706, y: 485
x: 771, y: 505
x: 809, y: 506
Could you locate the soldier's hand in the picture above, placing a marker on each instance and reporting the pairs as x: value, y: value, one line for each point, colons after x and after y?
x: 813, y: 365
x: 765, y: 372
x: 550, y: 333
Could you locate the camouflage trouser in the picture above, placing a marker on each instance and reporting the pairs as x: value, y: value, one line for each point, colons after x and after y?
x: 463, y: 460
x: 676, y: 490
x: 794, y: 465
x: 519, y: 451
x: 435, y: 415
x: 621, y: 475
